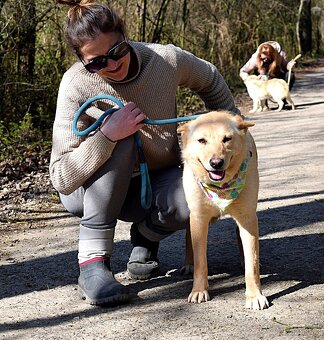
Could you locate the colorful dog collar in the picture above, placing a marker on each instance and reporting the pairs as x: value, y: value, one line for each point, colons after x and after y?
x: 222, y: 196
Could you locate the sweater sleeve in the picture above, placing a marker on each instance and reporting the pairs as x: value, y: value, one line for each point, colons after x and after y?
x: 74, y: 159
x: 249, y: 67
x: 203, y: 78
x: 284, y: 61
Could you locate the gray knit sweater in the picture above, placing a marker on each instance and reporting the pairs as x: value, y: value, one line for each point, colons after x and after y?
x: 163, y: 68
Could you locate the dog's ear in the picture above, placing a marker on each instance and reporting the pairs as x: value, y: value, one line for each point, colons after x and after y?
x: 182, y: 130
x: 241, y: 123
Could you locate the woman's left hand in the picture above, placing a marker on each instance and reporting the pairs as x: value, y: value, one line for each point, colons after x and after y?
x: 123, y: 123
x: 291, y: 64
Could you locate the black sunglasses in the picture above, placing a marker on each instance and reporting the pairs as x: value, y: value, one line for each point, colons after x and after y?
x: 115, y: 53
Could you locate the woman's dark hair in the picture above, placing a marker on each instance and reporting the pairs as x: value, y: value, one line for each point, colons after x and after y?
x: 86, y: 19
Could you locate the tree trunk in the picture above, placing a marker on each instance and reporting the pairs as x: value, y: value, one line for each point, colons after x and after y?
x: 304, y: 27
x: 144, y: 20
x: 159, y: 21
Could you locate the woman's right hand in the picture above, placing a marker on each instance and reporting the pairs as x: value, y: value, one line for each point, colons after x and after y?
x: 123, y: 122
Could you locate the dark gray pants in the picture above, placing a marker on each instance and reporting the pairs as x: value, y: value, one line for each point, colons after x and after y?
x: 112, y: 193
x: 292, y: 79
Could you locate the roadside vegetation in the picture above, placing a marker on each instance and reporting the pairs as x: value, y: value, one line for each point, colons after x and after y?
x: 33, y: 55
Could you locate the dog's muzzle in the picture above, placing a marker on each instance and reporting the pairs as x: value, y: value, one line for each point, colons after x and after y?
x: 217, y: 174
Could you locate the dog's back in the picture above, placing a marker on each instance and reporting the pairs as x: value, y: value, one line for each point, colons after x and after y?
x: 277, y: 88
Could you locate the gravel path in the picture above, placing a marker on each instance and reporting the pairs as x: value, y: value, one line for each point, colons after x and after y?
x: 38, y: 266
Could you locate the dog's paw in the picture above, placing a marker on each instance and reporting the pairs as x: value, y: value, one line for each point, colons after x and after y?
x: 257, y: 303
x: 252, y: 111
x: 187, y: 269
x: 198, y: 297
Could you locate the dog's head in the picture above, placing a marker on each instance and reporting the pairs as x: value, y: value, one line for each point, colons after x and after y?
x: 251, y: 78
x: 214, y: 145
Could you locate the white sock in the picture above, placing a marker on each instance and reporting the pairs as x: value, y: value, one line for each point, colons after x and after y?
x: 95, y: 243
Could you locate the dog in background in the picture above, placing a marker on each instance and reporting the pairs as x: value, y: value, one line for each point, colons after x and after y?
x: 260, y: 90
x: 221, y: 177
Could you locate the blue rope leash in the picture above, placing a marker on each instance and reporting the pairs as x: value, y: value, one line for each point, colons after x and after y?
x: 146, y: 190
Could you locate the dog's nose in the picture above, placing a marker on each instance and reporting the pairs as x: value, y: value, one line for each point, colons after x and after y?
x: 216, y: 163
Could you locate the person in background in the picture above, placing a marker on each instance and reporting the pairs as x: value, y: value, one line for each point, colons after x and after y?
x: 97, y: 176
x: 269, y: 61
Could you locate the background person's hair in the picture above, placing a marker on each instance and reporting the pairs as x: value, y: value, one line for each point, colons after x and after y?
x: 273, y: 68
x: 86, y: 19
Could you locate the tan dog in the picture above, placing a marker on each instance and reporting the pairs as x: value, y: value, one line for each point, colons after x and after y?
x: 260, y: 90
x: 218, y: 149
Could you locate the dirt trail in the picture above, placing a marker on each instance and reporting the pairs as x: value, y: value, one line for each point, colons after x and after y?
x: 38, y: 266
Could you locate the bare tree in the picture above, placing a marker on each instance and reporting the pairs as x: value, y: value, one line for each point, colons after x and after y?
x: 304, y: 27
x: 25, y: 29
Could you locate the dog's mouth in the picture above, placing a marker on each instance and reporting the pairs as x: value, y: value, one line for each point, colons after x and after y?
x: 216, y: 175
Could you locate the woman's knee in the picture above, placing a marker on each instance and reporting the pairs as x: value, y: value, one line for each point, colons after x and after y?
x: 73, y: 203
x: 171, y: 208
x: 120, y: 164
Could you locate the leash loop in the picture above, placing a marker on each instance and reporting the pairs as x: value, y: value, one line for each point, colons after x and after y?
x: 98, y: 122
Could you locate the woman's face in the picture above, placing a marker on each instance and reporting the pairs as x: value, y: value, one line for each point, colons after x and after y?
x: 116, y: 70
x: 267, y: 54
x: 266, y: 59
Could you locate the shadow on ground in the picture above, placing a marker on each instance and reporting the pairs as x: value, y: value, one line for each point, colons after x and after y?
x: 282, y: 257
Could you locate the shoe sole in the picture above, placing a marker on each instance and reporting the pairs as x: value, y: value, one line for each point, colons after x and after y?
x: 140, y: 277
x: 111, y: 301
x: 134, y: 276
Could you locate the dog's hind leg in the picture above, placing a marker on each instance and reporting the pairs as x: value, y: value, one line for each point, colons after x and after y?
x: 280, y: 103
x: 240, y: 246
x: 289, y: 100
x: 188, y: 264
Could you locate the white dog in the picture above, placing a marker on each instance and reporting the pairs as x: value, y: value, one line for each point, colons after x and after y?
x: 260, y: 90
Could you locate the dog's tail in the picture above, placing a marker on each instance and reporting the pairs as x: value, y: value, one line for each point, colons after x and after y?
x: 289, y: 74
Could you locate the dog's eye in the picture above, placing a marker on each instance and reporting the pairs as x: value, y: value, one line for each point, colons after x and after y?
x: 202, y: 141
x: 226, y: 139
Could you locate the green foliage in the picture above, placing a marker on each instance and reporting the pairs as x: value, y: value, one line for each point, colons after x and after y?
x: 18, y: 136
x: 31, y: 64
x: 188, y: 103
x: 34, y: 56
x: 288, y: 328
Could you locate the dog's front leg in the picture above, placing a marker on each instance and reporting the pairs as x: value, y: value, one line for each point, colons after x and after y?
x: 255, y: 105
x: 250, y: 239
x: 264, y: 105
x: 199, y: 234
x: 259, y: 107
